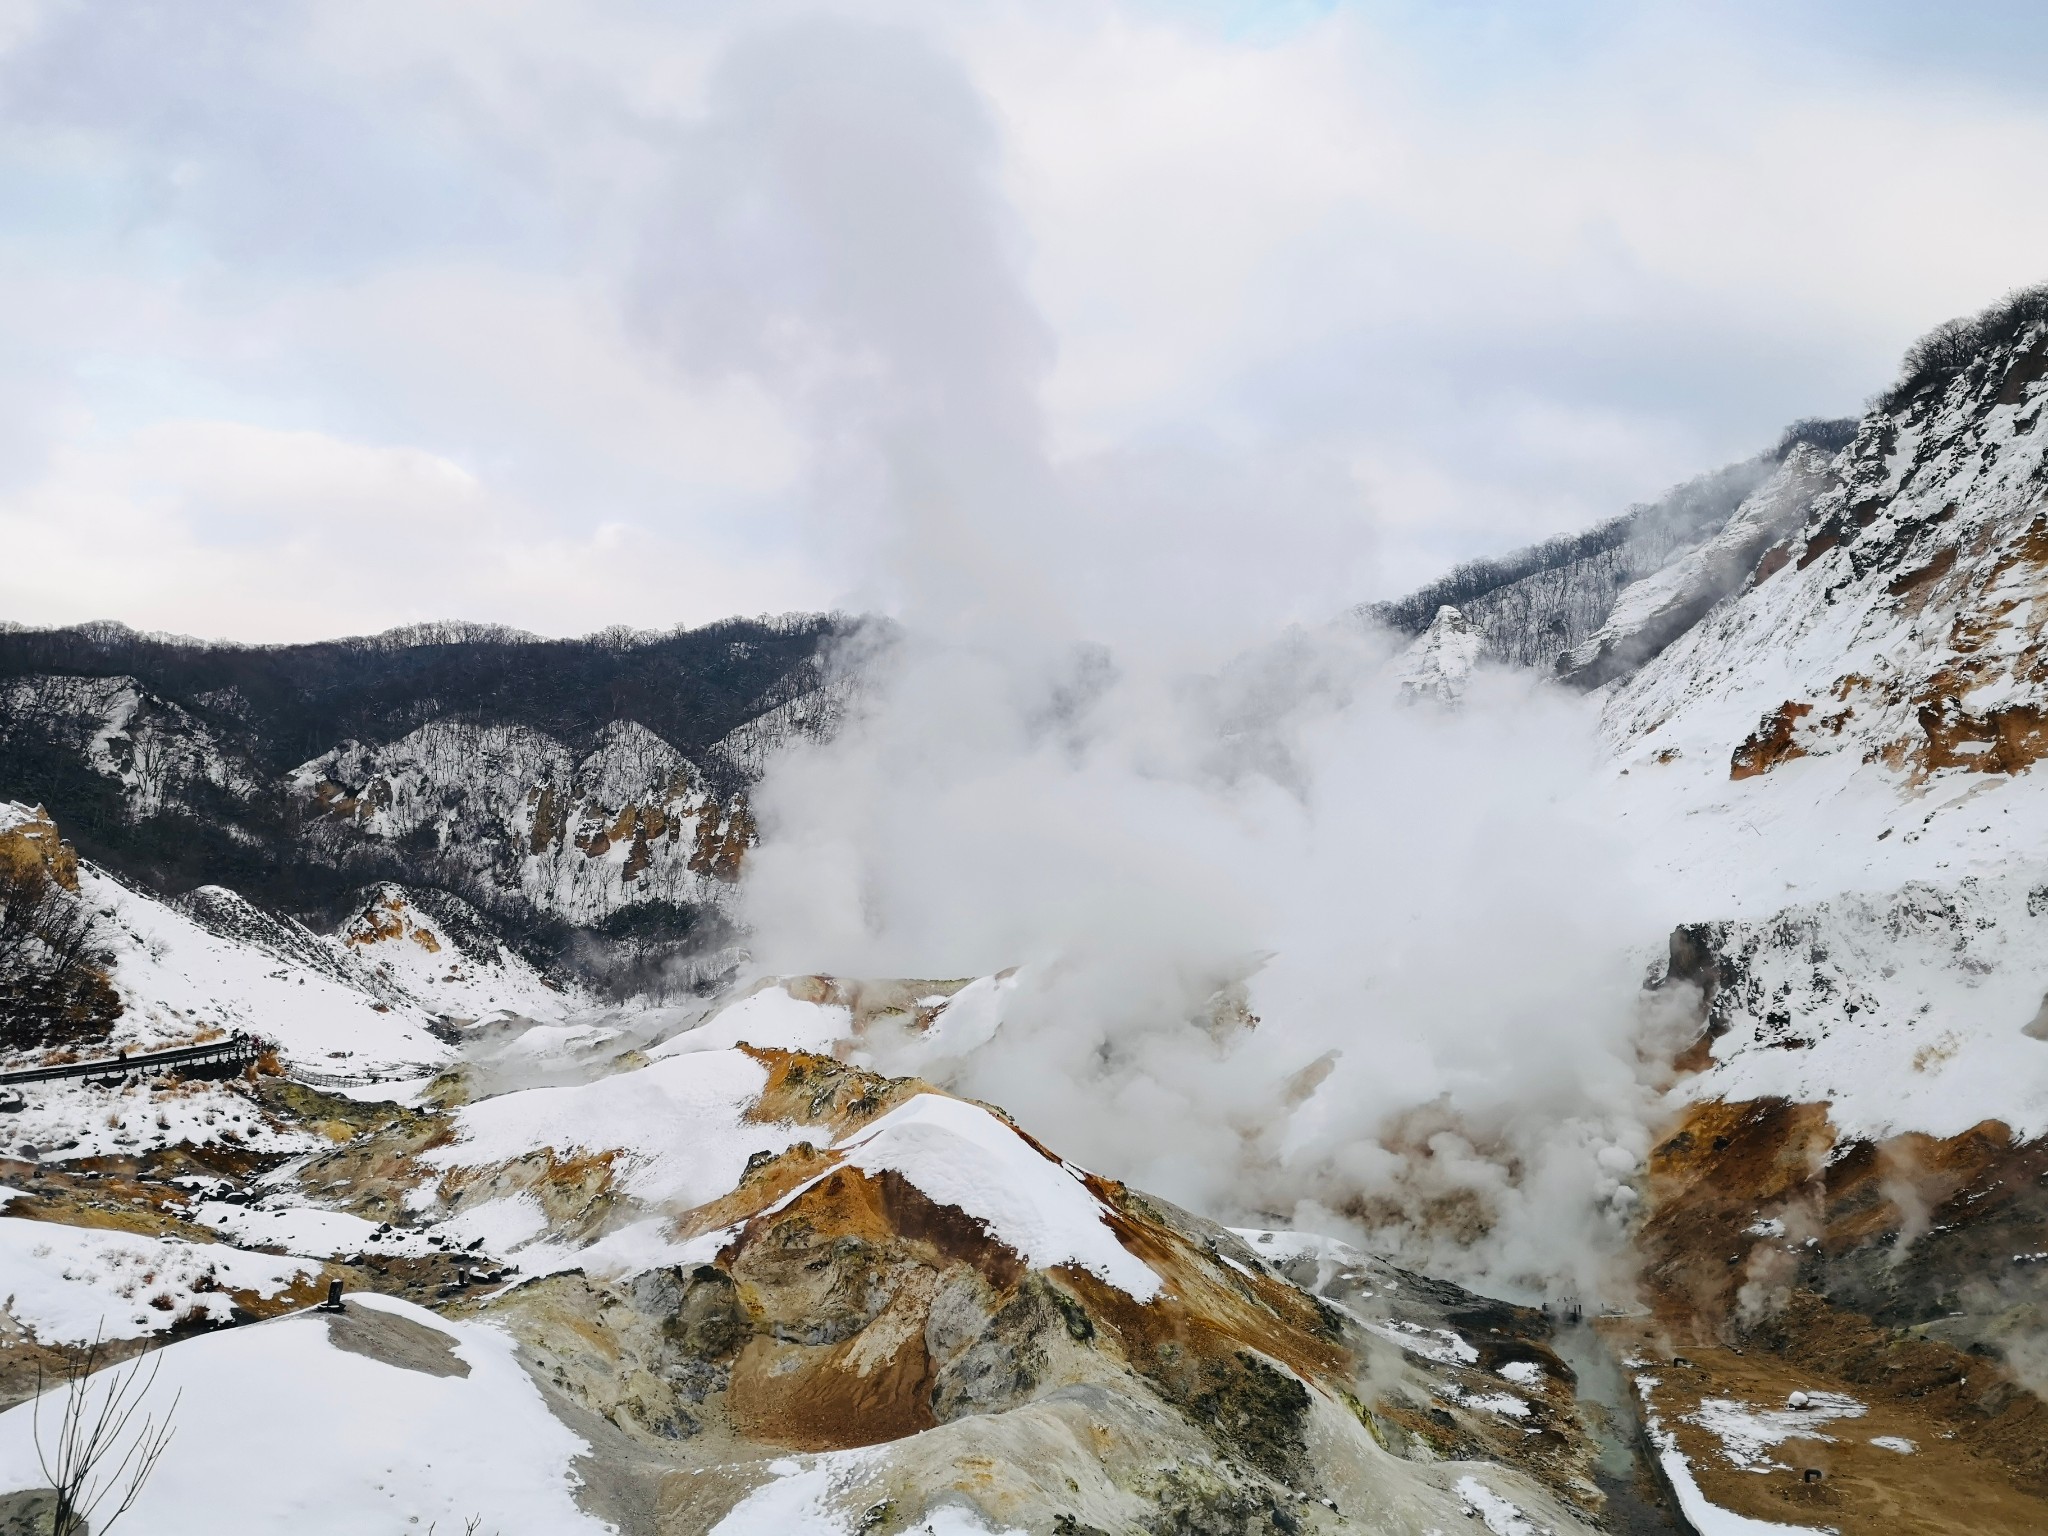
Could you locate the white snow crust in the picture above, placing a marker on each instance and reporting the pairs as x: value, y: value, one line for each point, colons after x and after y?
x: 280, y: 1431
x: 960, y: 1154
x: 770, y: 1017
x: 64, y: 1284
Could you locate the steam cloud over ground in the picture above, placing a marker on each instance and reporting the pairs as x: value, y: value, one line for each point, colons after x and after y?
x: 1288, y: 947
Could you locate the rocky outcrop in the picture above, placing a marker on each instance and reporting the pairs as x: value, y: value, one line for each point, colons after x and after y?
x: 1845, y: 1328
x: 54, y: 986
x: 30, y: 844
x: 514, y: 818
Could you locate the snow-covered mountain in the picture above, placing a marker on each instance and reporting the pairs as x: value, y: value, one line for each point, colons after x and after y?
x: 1825, y: 720
x: 578, y: 794
x: 1539, y: 605
x: 757, y: 1263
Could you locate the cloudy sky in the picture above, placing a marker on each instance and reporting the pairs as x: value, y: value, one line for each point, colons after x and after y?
x: 320, y: 316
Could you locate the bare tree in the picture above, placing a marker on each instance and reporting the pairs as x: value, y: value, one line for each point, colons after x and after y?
x: 95, y: 1456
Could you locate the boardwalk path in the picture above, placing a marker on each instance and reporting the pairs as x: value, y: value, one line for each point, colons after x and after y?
x: 225, y: 1055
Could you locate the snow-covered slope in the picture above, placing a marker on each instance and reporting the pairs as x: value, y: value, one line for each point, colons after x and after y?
x: 155, y: 750
x: 182, y: 980
x: 70, y: 1284
x: 421, y: 956
x: 1920, y: 1009
x: 1898, y: 638
x: 1653, y: 612
x: 358, y: 1003
x: 383, y: 1417
x: 1862, y: 718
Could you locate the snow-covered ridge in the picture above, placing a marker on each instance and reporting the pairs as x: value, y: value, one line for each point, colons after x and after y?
x: 1653, y: 612
x: 959, y: 1154
x: 1532, y: 606
x: 1438, y: 665
x: 416, y: 955
x: 743, y: 753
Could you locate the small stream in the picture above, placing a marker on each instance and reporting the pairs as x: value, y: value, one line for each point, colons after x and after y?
x: 1637, y: 1504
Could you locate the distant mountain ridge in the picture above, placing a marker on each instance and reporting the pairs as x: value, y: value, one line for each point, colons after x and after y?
x: 1535, y: 605
x: 581, y: 794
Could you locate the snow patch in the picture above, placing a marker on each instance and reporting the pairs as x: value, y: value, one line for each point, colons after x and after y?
x: 64, y: 1284
x: 1440, y: 1345
x: 1500, y: 1516
x: 280, y: 1430
x: 960, y: 1154
x: 1747, y: 1434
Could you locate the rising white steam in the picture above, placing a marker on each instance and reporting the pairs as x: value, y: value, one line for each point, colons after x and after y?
x: 1289, y: 948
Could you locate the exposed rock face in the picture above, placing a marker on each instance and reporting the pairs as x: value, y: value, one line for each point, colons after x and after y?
x: 29, y: 840
x: 510, y: 813
x: 1848, y: 1206
x: 54, y: 987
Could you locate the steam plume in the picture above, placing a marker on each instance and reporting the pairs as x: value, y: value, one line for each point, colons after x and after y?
x: 1289, y: 950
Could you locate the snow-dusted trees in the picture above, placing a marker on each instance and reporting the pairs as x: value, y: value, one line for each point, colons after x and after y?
x: 53, y: 989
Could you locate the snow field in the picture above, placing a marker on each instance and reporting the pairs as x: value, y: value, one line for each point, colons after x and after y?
x: 280, y: 1431
x: 64, y: 1284
x: 68, y: 1120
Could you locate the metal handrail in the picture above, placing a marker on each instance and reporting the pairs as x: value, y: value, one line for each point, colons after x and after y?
x: 236, y: 1047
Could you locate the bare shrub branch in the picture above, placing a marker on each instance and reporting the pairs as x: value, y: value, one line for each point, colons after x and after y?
x: 95, y: 1456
